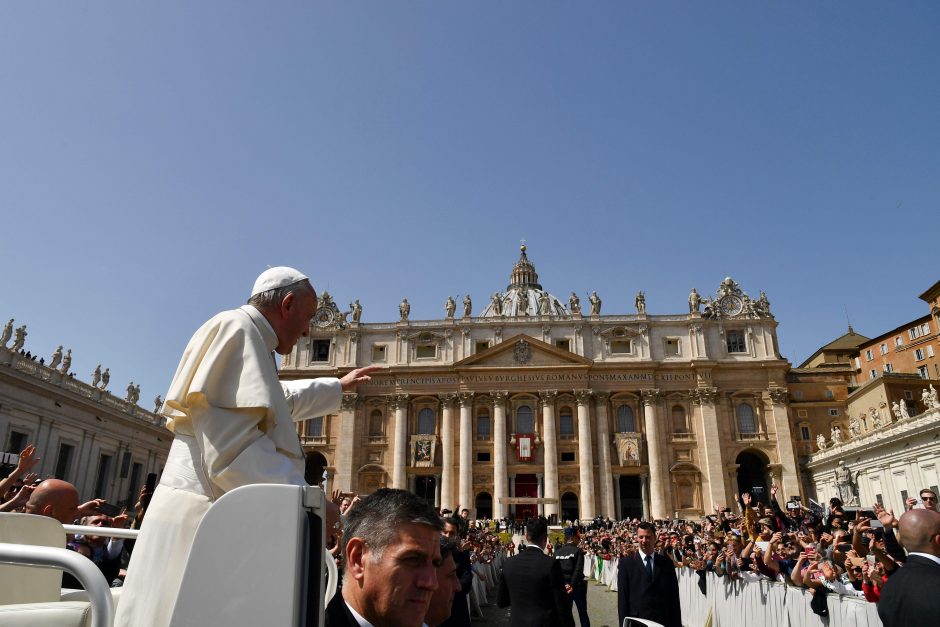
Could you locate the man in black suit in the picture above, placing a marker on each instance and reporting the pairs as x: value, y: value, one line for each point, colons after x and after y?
x: 909, y: 596
x: 460, y: 612
x: 647, y: 586
x: 533, y: 585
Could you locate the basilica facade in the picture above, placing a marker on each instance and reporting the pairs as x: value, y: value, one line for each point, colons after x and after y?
x: 535, y: 405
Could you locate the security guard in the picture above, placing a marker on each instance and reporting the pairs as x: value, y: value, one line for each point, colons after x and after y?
x: 571, y: 560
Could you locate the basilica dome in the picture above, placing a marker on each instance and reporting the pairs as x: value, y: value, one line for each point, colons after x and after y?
x: 524, y: 295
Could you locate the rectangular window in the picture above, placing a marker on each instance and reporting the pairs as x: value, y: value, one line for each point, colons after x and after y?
x: 564, y: 345
x: 801, y: 413
x: 868, y: 355
x: 671, y: 346
x: 63, y: 461
x: 884, y: 349
x: 424, y: 351
x: 101, y: 480
x: 798, y: 395
x: 483, y: 427
x: 829, y: 395
x: 908, y: 395
x: 898, y: 341
x: 930, y: 350
x: 17, y: 442
x: 566, y: 425
x: 833, y: 412
x: 567, y: 456
x: 923, y: 372
x: 483, y: 456
x: 804, y: 433
x: 858, y: 364
x: 889, y: 368
x: 479, y: 347
x: 620, y: 347
x: 918, y: 354
x: 913, y: 333
x: 320, y: 350
x: 315, y: 427
x: 378, y: 352
x: 872, y: 374
x: 925, y: 328
x: 736, y: 342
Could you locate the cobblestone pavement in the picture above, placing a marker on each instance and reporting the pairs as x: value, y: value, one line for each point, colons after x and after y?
x: 602, y: 608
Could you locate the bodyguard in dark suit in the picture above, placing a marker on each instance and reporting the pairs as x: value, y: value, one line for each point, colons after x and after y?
x: 460, y: 614
x: 532, y: 584
x: 571, y: 559
x: 909, y: 596
x: 647, y: 586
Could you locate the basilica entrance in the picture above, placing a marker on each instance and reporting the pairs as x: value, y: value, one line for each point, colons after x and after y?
x: 527, y: 486
x: 569, y: 506
x: 631, y: 497
x: 484, y: 505
x: 425, y: 487
x: 752, y: 475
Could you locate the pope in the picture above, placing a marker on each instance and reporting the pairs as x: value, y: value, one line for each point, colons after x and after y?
x: 232, y: 420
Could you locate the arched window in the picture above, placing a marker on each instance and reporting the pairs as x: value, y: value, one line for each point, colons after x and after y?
x: 426, y: 422
x: 746, y: 423
x: 524, y: 421
x: 375, y: 423
x: 679, y: 423
x: 483, y: 425
x: 625, y: 421
x: 315, y: 427
x: 566, y: 423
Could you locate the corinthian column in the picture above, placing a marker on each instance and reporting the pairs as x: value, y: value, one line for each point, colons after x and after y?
x: 788, y: 473
x: 500, y: 477
x: 399, y: 476
x: 345, y: 451
x: 714, y: 466
x: 447, y: 450
x: 603, y: 455
x: 465, y: 491
x: 550, y: 450
x: 658, y: 479
x: 585, y: 454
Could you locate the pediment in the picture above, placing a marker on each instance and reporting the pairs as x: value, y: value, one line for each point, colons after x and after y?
x: 523, y: 351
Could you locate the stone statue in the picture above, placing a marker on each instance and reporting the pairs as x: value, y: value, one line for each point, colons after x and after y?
x: 904, y: 411
x: 763, y: 305
x: 855, y: 428
x: 575, y: 303
x: 19, y: 338
x: 835, y: 434
x: 105, y: 378
x: 545, y: 304
x: 66, y: 362
x: 450, y: 307
x: 695, y: 301
x: 896, y: 410
x: 7, y: 333
x: 640, y: 302
x: 844, y: 484
x: 595, y: 301
x: 523, y: 308
x: 821, y: 442
x: 875, y: 417
x: 56, y: 357
x: 497, y: 301
x: 356, y: 309
x: 96, y: 376
x: 934, y: 401
x: 467, y: 306
x: 157, y: 404
x: 404, y: 308
x: 130, y: 392
x: 136, y: 392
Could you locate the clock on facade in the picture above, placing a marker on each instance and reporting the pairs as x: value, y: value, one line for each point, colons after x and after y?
x: 732, y: 305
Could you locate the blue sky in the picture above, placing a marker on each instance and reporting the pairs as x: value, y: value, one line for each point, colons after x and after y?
x: 155, y: 157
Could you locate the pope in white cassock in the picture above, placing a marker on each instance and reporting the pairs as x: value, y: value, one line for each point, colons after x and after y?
x: 232, y: 419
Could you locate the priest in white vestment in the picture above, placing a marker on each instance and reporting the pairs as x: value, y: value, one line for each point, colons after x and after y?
x: 233, y: 424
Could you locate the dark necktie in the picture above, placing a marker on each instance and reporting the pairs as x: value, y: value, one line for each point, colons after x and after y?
x: 649, y: 566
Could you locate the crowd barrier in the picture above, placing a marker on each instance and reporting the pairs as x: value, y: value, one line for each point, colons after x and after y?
x: 731, y: 603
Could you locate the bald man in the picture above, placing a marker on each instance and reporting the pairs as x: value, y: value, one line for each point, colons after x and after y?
x: 909, y: 596
x: 59, y: 499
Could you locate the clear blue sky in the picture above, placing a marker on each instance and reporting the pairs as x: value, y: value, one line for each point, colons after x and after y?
x: 155, y: 157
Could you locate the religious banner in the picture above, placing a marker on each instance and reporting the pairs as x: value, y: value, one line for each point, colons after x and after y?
x: 628, y: 448
x: 525, y: 448
x: 423, y: 448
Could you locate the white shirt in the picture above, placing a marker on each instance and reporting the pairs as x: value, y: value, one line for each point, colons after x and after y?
x: 359, y: 619
x: 643, y: 557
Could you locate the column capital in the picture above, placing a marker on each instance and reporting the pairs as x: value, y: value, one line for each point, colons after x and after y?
x: 778, y: 396
x: 547, y: 397
x: 466, y: 398
x: 601, y: 398
x: 582, y: 397
x: 398, y: 401
x: 350, y: 401
x: 704, y: 396
x: 447, y: 399
x: 499, y: 397
x: 650, y: 395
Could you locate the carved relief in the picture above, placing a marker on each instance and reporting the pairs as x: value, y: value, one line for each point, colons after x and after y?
x: 350, y: 401
x: 522, y: 352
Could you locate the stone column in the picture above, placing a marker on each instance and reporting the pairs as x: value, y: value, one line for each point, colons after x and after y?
x: 447, y: 450
x: 704, y: 398
x: 540, y: 492
x: 437, y: 491
x: 789, y: 483
x: 345, y: 460
x: 465, y: 491
x: 500, y: 477
x: 399, y: 403
x: 657, y: 474
x: 585, y: 454
x: 603, y: 455
x: 645, y: 495
x: 616, y: 480
x: 550, y: 450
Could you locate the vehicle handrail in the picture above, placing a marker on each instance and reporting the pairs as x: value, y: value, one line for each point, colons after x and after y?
x: 110, y: 532
x: 83, y: 569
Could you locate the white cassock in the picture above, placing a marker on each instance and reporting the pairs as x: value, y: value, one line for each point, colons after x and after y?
x: 233, y: 424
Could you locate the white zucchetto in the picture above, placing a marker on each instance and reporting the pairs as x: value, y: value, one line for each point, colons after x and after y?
x: 273, y: 278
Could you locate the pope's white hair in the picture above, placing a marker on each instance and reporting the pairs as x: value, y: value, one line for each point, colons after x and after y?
x: 271, y: 298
